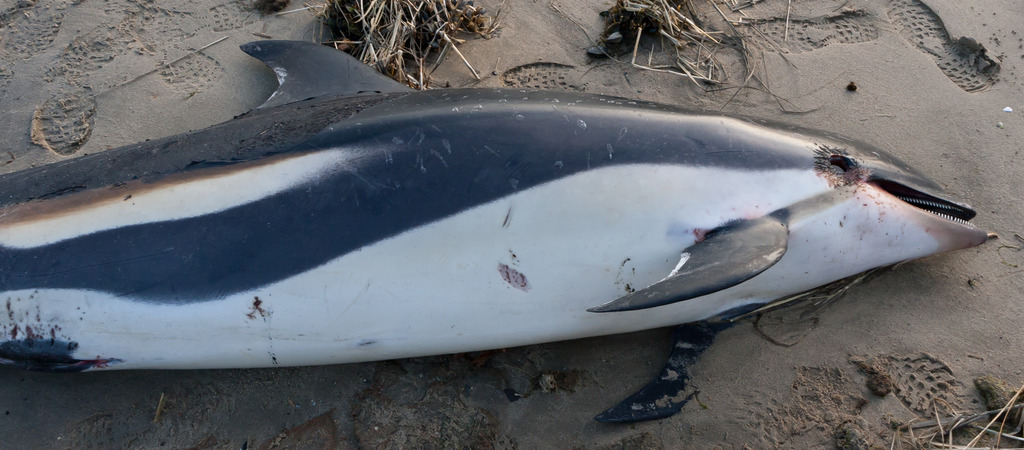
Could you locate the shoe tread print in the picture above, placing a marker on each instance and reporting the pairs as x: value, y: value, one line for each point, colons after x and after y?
x: 963, y: 61
x: 924, y: 383
x: 804, y: 35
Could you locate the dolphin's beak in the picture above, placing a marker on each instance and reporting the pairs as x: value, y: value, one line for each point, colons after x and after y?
x: 927, y: 199
x: 946, y: 220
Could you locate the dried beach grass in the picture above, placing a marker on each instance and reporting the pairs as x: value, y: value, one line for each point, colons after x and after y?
x: 399, y: 36
x: 818, y: 297
x: 1003, y: 429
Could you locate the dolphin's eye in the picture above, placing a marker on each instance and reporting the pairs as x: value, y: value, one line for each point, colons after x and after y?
x: 841, y: 162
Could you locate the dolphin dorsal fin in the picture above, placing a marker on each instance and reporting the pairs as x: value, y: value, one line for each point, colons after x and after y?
x: 307, y: 69
x: 728, y: 256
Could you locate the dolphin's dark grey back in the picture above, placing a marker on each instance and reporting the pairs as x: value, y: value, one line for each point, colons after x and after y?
x: 247, y: 137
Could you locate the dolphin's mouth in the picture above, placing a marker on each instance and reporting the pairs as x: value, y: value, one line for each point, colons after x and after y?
x: 947, y: 209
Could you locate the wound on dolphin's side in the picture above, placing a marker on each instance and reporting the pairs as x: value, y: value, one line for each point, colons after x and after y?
x: 48, y: 355
x: 513, y: 277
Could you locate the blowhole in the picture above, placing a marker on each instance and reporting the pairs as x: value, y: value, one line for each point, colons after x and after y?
x: 837, y: 167
x: 841, y: 162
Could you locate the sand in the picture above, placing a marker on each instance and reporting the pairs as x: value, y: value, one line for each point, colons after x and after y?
x: 81, y: 77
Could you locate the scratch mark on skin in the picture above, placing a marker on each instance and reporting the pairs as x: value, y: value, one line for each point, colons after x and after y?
x: 357, y: 297
x: 438, y: 155
x: 513, y: 277
x: 264, y: 313
x: 104, y: 264
x: 619, y: 279
x: 273, y: 356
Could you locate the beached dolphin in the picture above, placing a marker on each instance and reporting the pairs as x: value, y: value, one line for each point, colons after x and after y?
x: 352, y: 219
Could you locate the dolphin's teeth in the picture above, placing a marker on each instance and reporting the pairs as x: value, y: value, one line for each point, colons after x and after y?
x: 918, y: 201
x: 928, y: 205
x: 948, y: 217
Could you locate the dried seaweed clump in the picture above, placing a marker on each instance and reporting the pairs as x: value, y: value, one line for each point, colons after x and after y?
x: 266, y: 7
x: 672, y: 20
x: 398, y: 36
